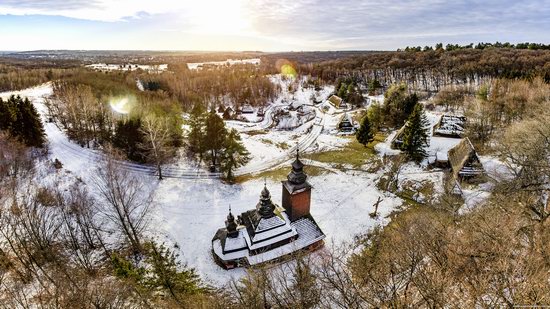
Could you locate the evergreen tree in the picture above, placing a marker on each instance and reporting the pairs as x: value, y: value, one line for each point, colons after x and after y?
x: 364, y: 134
x: 342, y: 91
x: 27, y: 125
x: 129, y: 137
x: 415, y: 134
x: 8, y: 114
x: 408, y: 104
x: 197, y: 130
x: 215, y: 135
x: 376, y: 116
x: 234, y: 154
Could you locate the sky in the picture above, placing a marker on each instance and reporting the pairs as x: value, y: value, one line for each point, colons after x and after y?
x: 267, y: 25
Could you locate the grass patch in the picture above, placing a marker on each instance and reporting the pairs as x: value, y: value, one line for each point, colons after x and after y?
x: 352, y: 153
x: 283, y: 145
x: 280, y: 174
x: 255, y: 132
x: 266, y: 141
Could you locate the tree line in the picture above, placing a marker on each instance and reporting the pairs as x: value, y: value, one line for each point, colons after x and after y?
x: 480, y: 45
x: 20, y: 119
x: 149, y: 131
x: 432, y: 70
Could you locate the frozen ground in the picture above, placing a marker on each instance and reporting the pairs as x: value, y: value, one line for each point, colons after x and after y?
x: 189, y: 211
x: 200, y: 65
x: 128, y: 67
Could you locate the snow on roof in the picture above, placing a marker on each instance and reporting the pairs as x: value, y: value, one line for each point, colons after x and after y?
x: 308, y: 233
x: 269, y: 223
x: 234, y: 243
x: 306, y: 229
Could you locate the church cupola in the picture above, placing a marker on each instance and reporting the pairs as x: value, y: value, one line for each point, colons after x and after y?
x: 265, y: 207
x: 297, y: 175
x: 231, y: 225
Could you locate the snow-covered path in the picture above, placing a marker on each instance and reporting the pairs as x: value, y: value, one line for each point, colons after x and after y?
x: 188, y: 211
x: 305, y: 142
x: 68, y: 152
x: 75, y: 157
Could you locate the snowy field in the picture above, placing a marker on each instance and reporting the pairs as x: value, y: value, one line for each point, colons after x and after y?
x: 200, y: 65
x: 127, y: 67
x: 188, y: 211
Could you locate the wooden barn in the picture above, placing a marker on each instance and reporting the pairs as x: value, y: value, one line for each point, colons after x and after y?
x: 336, y: 101
x: 450, y: 126
x: 346, y: 124
x: 465, y: 164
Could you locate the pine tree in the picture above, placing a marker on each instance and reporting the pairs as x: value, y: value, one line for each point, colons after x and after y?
x: 8, y: 114
x: 415, y: 134
x: 215, y: 135
x: 27, y: 125
x: 234, y: 154
x: 197, y: 130
x: 129, y: 137
x: 364, y: 135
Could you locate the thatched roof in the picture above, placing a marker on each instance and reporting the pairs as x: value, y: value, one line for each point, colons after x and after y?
x: 398, y: 137
x: 461, y: 154
x: 335, y: 100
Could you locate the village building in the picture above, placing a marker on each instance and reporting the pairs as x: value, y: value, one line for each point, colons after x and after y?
x: 270, y: 232
x: 464, y: 162
x: 346, y: 124
x: 336, y: 101
x: 260, y: 112
x: 397, y: 140
x: 450, y: 126
x: 247, y: 109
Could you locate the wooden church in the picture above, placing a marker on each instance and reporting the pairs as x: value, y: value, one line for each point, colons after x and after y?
x: 270, y: 232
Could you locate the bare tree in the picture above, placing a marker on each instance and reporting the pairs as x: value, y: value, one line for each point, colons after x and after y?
x: 158, y: 141
x: 124, y: 201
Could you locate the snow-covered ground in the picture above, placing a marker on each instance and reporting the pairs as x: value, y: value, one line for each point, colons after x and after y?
x: 128, y: 67
x: 189, y: 211
x: 200, y: 65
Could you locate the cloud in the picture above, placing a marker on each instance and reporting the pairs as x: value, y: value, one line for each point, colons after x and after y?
x: 357, y: 23
x: 303, y: 24
x: 49, y: 5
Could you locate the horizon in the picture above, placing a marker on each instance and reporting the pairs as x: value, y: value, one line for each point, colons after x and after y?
x: 267, y: 25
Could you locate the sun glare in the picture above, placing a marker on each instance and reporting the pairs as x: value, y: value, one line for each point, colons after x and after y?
x: 219, y: 17
x: 121, y: 105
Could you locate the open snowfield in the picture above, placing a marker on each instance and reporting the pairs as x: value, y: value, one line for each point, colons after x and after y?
x: 128, y: 67
x: 199, y: 65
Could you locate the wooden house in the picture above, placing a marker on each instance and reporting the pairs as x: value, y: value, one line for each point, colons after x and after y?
x: 397, y: 140
x: 450, y: 126
x: 346, y: 124
x: 247, y: 109
x: 465, y: 164
x: 336, y: 101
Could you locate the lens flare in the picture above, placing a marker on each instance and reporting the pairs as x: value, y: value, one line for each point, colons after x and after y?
x: 121, y: 105
x: 286, y: 68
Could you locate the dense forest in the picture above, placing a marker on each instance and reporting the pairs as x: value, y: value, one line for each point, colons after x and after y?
x: 432, y: 70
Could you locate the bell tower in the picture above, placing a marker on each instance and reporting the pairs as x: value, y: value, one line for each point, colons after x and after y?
x: 296, y: 191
